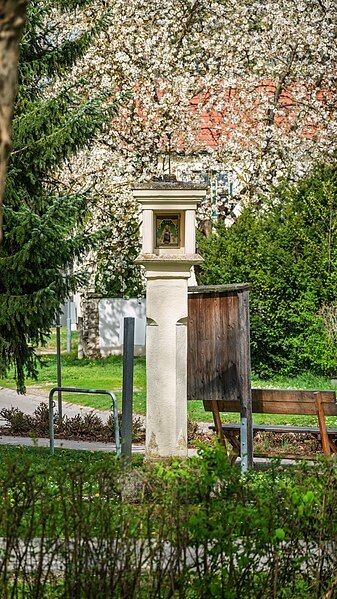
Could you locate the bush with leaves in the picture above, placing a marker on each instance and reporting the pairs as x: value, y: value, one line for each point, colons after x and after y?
x: 89, y: 525
x: 287, y: 250
x: 87, y: 426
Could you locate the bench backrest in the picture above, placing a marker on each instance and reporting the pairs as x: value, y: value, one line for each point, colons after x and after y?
x: 282, y: 401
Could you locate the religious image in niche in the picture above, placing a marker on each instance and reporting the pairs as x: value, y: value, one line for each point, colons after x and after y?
x: 167, y: 230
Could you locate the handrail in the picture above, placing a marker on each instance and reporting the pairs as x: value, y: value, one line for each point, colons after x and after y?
x: 76, y: 390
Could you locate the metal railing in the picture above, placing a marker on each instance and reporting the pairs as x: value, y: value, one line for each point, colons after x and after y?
x: 75, y: 390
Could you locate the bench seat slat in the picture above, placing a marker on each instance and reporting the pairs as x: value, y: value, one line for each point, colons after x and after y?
x: 277, y: 428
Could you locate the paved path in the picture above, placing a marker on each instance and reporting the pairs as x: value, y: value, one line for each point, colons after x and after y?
x: 65, y: 444
x: 70, y: 444
x: 29, y: 402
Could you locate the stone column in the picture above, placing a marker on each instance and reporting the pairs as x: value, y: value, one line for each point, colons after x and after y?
x: 147, y: 232
x: 168, y: 262
x: 89, y: 324
x: 190, y: 227
x: 166, y: 358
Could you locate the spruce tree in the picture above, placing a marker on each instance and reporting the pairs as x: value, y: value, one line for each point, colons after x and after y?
x: 42, y: 224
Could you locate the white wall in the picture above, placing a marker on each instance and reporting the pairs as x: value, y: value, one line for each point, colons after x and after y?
x: 111, y: 315
x: 73, y: 316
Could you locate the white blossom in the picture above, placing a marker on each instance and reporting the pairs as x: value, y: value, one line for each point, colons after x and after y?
x: 246, y: 87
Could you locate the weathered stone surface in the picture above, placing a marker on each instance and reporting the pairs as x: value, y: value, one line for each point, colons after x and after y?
x: 167, y: 270
x: 89, y: 335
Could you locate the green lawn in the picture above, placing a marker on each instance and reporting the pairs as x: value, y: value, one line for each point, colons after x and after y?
x: 50, y: 346
x: 107, y: 374
x: 40, y: 457
x: 94, y: 374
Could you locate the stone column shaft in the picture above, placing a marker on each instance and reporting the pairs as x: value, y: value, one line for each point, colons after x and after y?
x: 168, y: 260
x: 147, y: 232
x: 190, y: 231
x: 166, y: 358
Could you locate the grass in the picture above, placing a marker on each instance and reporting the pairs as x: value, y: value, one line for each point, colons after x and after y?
x: 83, y: 373
x: 40, y: 457
x: 50, y: 346
x: 106, y: 373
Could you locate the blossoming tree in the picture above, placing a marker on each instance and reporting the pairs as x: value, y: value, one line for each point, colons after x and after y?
x: 248, y: 87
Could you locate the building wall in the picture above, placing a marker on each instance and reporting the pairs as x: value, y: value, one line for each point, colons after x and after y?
x: 111, y: 313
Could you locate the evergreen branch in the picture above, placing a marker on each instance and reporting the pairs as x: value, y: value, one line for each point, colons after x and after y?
x: 54, y: 62
x: 42, y: 145
x: 69, y: 5
x: 43, y: 234
x: 50, y: 59
x: 28, y: 134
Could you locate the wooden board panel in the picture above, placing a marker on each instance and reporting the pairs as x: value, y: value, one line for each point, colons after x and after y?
x: 282, y: 401
x: 218, y: 343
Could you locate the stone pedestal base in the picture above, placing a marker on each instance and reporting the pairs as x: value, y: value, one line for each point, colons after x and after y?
x: 166, y: 354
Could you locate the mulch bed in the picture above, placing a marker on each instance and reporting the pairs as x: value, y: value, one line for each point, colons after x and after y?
x: 283, y: 445
x: 89, y: 427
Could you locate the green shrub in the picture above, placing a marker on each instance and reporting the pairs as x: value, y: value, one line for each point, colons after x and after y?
x: 97, y: 528
x: 82, y: 426
x: 286, y: 249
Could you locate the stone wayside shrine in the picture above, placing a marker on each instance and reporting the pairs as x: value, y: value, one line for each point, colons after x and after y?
x: 168, y: 254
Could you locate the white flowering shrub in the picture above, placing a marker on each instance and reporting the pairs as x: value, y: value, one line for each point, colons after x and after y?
x: 247, y: 86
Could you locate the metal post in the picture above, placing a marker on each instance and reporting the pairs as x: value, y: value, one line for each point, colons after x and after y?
x: 77, y: 390
x: 51, y: 421
x: 59, y: 372
x: 246, y: 419
x: 117, y: 435
x: 127, y: 395
x: 69, y: 327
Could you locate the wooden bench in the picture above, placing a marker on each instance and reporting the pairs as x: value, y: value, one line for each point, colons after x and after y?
x: 280, y: 401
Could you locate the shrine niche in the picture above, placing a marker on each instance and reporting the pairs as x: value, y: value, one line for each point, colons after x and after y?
x: 167, y: 230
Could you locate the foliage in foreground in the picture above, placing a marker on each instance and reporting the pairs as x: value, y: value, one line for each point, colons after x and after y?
x: 94, y: 528
x: 287, y: 250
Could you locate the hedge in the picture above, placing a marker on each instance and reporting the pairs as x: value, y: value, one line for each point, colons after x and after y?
x: 286, y: 248
x: 98, y: 528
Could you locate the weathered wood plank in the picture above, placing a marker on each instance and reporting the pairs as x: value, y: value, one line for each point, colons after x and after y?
x: 290, y: 395
x: 230, y: 288
x: 218, y: 354
x: 277, y: 428
x: 214, y: 342
x: 232, y: 366
x: 217, y: 422
x: 322, y: 424
x: 283, y: 401
x: 191, y: 347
